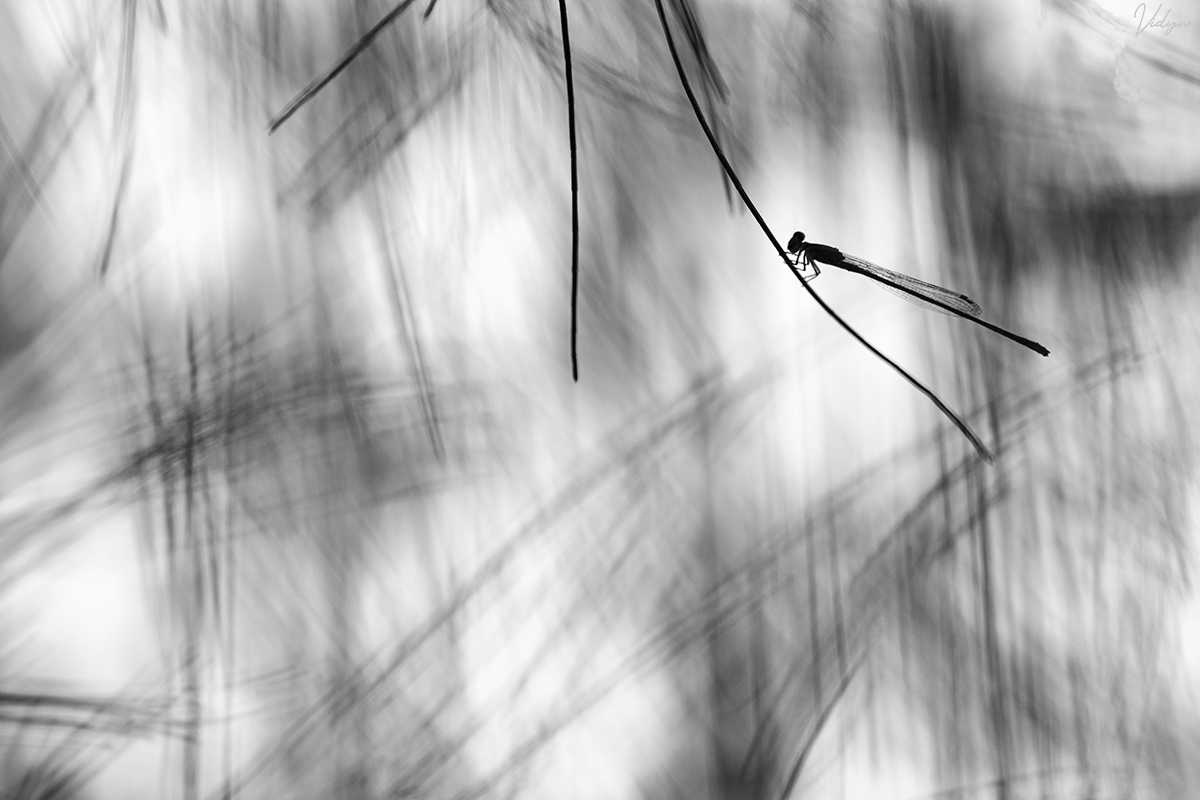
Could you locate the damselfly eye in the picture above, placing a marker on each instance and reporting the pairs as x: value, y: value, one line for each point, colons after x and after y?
x: 795, y: 242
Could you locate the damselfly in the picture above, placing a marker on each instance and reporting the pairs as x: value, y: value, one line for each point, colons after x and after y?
x: 926, y: 295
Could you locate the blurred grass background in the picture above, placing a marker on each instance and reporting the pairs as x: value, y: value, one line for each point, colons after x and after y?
x: 298, y: 498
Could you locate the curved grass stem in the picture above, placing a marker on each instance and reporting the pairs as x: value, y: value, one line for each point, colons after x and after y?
x: 966, y: 430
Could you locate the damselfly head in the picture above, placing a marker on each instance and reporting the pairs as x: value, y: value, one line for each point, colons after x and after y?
x: 795, y: 243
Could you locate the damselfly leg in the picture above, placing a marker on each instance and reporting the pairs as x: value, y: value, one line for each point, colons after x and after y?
x: 800, y: 258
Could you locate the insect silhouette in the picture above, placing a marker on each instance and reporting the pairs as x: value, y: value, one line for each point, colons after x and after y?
x: 927, y: 295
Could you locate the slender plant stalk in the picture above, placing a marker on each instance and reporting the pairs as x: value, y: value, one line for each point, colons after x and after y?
x: 566, y: 40
x: 320, y: 82
x: 980, y: 448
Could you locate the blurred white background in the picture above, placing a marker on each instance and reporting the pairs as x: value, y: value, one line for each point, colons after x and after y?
x: 298, y: 498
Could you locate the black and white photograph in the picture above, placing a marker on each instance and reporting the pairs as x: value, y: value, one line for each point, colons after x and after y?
x: 599, y: 400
